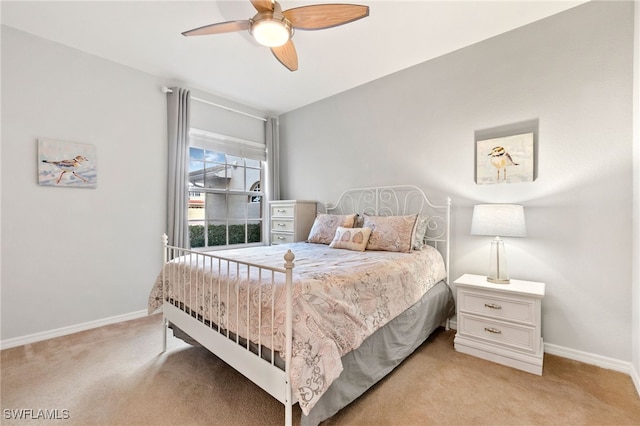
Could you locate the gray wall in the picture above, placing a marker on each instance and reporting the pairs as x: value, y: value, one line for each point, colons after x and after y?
x: 76, y: 258
x: 71, y: 255
x: 572, y: 73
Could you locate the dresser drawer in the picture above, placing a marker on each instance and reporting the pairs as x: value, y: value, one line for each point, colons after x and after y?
x: 282, y: 225
x: 494, y: 306
x: 282, y: 210
x: 520, y: 337
x: 291, y: 220
x: 278, y: 238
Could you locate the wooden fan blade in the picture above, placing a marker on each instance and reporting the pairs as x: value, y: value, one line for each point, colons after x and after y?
x: 287, y: 55
x: 262, y: 5
x: 321, y: 16
x: 219, y: 28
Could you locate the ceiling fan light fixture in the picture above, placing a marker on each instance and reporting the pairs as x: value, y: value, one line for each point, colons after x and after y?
x: 272, y: 27
x: 271, y: 32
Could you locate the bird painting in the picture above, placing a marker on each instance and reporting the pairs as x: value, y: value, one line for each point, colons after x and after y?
x: 66, y: 164
x: 501, y: 159
x: 69, y: 166
x: 505, y: 159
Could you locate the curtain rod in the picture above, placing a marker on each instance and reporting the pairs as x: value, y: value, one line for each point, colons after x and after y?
x: 167, y: 90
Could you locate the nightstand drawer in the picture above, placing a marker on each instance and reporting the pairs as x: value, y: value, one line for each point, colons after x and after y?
x: 494, y: 306
x: 282, y: 210
x: 282, y: 225
x: 277, y: 238
x: 520, y: 337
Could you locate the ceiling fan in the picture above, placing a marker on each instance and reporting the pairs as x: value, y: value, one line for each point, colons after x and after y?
x: 273, y: 27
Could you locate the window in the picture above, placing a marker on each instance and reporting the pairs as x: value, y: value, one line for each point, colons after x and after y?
x: 256, y: 197
x: 225, y: 196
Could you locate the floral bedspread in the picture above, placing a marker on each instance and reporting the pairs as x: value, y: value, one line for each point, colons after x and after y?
x: 340, y: 298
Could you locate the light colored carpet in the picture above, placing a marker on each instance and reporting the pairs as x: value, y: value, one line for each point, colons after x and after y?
x: 116, y: 375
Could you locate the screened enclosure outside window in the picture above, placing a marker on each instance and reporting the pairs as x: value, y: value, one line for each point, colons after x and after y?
x: 225, y: 198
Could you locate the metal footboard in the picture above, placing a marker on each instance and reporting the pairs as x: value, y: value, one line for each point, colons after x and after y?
x: 221, y: 303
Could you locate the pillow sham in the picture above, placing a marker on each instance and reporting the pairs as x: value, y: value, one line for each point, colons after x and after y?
x: 420, y: 230
x: 325, y: 226
x: 391, y: 233
x: 355, y: 239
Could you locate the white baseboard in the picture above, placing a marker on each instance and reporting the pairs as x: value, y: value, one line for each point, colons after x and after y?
x: 636, y: 378
x: 58, y: 332
x: 453, y: 323
x: 589, y: 358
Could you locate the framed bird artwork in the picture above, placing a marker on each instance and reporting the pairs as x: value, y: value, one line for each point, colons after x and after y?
x: 507, y: 159
x: 66, y: 164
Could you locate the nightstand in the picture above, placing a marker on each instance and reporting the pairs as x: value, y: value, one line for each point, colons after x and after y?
x: 500, y: 322
x: 291, y: 220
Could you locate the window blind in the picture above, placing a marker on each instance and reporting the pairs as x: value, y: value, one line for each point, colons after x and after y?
x: 228, y: 144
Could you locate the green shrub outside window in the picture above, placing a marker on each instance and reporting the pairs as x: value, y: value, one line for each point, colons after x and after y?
x: 217, y: 234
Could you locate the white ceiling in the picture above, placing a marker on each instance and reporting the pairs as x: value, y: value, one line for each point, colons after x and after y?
x: 146, y: 35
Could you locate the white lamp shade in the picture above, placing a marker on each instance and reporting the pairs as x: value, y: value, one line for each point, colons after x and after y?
x: 504, y: 220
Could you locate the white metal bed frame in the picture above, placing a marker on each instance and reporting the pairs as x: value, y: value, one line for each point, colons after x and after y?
x: 231, y: 348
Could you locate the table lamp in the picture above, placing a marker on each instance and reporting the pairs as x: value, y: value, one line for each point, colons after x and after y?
x: 498, y: 220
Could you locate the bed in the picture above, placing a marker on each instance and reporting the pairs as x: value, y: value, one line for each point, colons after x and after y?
x: 319, y: 322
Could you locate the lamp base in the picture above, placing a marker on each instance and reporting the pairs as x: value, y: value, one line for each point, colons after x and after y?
x: 498, y: 273
x: 498, y: 280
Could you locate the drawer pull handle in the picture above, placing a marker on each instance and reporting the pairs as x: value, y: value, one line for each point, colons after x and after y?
x: 492, y: 306
x: 281, y: 238
x: 492, y: 330
x: 281, y: 210
x: 282, y: 224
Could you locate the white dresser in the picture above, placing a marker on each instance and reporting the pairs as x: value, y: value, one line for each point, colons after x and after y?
x: 501, y: 322
x: 291, y: 220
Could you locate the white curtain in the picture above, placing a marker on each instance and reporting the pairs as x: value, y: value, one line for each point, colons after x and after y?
x: 273, y: 159
x: 178, y: 105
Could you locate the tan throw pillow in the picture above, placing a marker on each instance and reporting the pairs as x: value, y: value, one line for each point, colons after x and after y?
x: 325, y: 226
x: 391, y: 233
x: 351, y: 238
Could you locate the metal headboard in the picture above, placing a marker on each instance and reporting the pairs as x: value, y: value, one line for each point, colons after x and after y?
x: 396, y: 201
